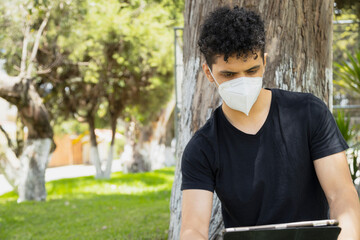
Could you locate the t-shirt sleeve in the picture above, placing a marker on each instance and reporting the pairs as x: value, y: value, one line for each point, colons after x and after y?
x: 325, y: 136
x: 195, y: 165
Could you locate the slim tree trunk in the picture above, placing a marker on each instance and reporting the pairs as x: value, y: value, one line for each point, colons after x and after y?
x: 153, y: 139
x: 299, y: 39
x: 110, y: 158
x: 94, y: 151
x: 132, y: 157
x: 102, y: 172
x: 147, y: 151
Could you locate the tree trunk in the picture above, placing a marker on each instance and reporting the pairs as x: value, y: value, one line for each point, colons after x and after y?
x: 110, y: 158
x: 94, y: 150
x: 34, y: 161
x: 29, y: 179
x: 154, y: 144
x: 27, y: 173
x: 131, y: 157
x: 299, y: 39
x: 147, y: 150
x: 102, y: 172
x: 20, y: 136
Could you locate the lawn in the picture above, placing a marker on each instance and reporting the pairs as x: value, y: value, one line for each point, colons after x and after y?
x: 128, y: 206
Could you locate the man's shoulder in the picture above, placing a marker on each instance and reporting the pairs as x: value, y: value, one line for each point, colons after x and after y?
x: 206, y: 134
x: 291, y: 96
x: 209, y: 128
x: 295, y: 100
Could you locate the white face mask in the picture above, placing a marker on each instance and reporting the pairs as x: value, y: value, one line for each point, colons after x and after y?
x: 240, y: 93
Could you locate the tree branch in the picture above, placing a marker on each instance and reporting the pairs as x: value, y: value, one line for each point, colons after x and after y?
x: 36, y: 44
x: 24, y: 50
x: 10, y: 144
x: 57, y: 62
x: 79, y: 117
x: 17, y: 68
x: 10, y: 165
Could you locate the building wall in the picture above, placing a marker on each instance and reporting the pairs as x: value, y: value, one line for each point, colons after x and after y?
x: 67, y: 152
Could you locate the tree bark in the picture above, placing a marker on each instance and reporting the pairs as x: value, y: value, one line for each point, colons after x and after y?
x: 299, y: 40
x: 34, y: 161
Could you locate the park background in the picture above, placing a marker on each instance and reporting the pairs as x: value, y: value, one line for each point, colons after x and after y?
x: 92, y: 97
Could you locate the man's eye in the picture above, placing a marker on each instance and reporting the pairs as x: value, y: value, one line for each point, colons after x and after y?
x: 252, y: 71
x: 228, y: 74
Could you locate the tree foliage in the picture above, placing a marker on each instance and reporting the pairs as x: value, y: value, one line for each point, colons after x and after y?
x: 352, y: 5
x: 103, y: 57
x: 349, y: 73
x: 117, y: 54
x: 346, y: 38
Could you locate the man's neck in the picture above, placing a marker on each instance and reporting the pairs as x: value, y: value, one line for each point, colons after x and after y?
x: 258, y: 110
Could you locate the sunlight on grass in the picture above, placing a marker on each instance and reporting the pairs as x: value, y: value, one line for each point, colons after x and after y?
x: 127, y: 206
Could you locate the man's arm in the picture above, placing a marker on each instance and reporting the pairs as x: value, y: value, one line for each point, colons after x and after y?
x: 334, y: 176
x: 195, y: 214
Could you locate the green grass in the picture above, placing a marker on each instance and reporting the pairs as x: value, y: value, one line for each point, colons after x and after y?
x: 128, y: 206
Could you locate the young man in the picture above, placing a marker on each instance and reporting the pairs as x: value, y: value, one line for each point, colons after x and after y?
x: 272, y: 156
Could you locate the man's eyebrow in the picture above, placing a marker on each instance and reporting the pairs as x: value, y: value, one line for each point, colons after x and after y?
x: 231, y: 72
x: 227, y: 71
x: 257, y: 66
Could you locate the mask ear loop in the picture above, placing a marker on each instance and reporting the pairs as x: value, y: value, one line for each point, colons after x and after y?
x: 213, y: 76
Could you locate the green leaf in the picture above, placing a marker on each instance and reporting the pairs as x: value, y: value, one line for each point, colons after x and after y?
x: 349, y: 73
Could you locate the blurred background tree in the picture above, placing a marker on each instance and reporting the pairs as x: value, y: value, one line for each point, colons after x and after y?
x: 23, y: 24
x: 118, y: 58
x: 98, y: 62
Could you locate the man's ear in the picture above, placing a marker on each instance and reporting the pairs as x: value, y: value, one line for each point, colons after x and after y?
x: 265, y: 57
x: 206, y: 70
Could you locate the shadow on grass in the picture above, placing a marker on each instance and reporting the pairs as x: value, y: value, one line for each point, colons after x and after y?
x: 11, y: 194
x: 166, y: 171
x: 120, y: 178
x: 71, y: 185
x: 118, y: 181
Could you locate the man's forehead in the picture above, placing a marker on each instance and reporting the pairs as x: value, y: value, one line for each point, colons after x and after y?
x: 244, y: 57
x: 237, y: 62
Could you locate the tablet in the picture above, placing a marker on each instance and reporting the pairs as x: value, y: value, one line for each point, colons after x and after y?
x: 305, y: 230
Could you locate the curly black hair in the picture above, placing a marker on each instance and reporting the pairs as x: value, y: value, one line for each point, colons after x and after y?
x: 228, y: 31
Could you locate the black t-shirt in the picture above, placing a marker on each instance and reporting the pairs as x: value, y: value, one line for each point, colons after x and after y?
x: 268, y: 177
